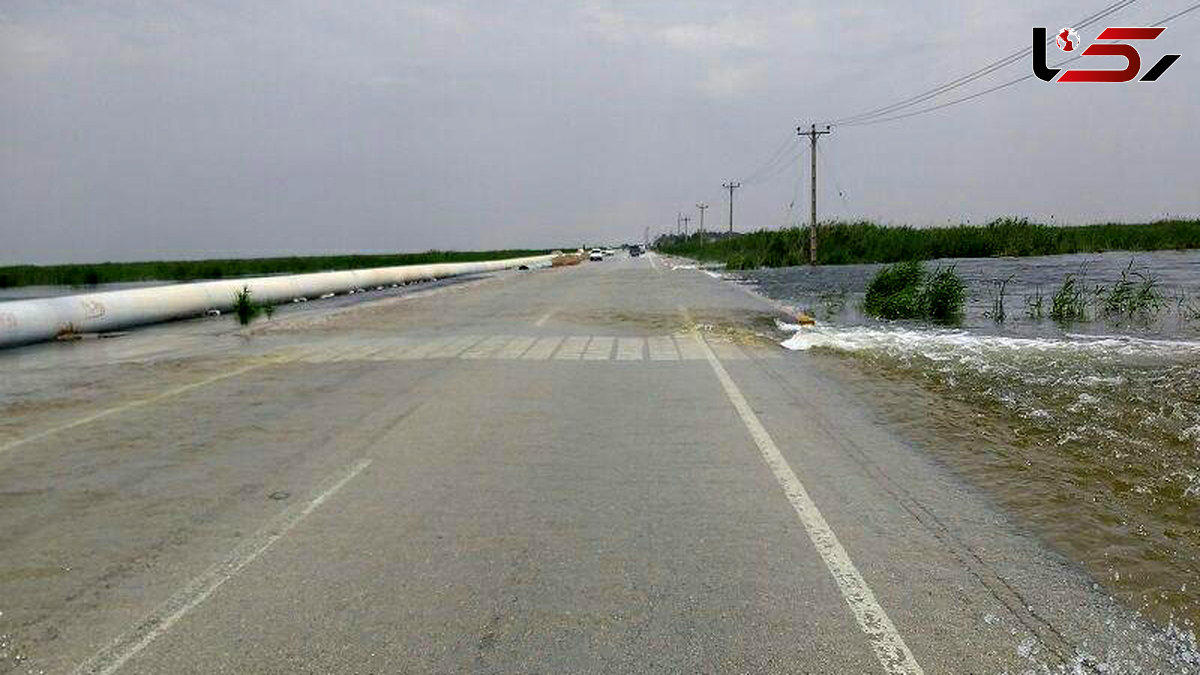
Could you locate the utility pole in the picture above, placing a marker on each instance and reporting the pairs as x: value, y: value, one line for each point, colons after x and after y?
x: 686, y: 220
x: 702, y: 206
x: 731, y: 186
x: 813, y: 135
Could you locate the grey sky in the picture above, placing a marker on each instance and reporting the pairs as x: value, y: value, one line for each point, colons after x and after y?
x: 134, y: 130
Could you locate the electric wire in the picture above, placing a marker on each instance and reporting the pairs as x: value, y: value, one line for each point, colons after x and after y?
x: 978, y: 73
x: 998, y: 87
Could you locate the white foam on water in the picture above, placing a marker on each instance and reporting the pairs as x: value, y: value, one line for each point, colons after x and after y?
x: 944, y: 343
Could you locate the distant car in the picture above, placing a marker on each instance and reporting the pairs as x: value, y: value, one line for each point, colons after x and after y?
x: 609, y: 251
x: 634, y: 251
x: 596, y: 254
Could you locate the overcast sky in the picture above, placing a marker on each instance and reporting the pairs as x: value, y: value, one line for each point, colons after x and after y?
x: 136, y: 130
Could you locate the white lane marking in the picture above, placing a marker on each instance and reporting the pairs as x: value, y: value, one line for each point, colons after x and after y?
x: 132, y: 405
x: 630, y: 349
x: 662, y: 348
x: 653, y: 264
x: 111, y: 658
x: 890, y: 649
x: 544, y: 318
x: 516, y: 348
x: 455, y: 347
x: 688, y: 349
x: 423, y: 351
x: 728, y: 351
x: 543, y: 348
x: 488, y: 348
x: 572, y: 348
x: 600, y: 349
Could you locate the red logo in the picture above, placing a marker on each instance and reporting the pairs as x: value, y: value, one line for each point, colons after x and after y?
x: 1067, y: 40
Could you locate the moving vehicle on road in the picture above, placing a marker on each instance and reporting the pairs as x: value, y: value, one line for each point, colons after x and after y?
x: 596, y: 255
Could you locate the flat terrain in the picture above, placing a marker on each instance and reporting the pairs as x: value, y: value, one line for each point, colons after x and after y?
x: 596, y: 469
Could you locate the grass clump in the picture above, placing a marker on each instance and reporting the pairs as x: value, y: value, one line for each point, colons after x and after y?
x: 999, y: 289
x: 906, y: 291
x: 895, y: 292
x: 1035, y: 304
x: 1137, y: 296
x: 1069, y: 303
x: 246, y: 309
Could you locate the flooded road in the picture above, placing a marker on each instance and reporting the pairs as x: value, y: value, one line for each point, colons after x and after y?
x: 1090, y: 431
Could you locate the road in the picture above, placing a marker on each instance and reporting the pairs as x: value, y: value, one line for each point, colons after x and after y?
x: 606, y: 468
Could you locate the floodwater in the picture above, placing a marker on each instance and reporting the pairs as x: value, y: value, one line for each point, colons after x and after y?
x: 1089, y: 431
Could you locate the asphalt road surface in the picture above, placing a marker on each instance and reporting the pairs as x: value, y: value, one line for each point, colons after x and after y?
x: 607, y: 468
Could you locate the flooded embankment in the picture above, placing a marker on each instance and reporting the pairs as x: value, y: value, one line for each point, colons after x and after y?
x: 1089, y: 431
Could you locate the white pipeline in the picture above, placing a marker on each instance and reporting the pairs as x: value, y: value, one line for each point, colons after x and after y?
x: 27, y: 321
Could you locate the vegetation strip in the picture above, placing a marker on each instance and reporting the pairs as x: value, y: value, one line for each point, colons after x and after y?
x: 866, y: 242
x: 196, y: 270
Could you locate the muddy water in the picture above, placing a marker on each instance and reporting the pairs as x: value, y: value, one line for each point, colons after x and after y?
x: 1089, y: 432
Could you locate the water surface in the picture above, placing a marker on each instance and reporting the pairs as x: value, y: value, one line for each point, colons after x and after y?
x: 1089, y: 431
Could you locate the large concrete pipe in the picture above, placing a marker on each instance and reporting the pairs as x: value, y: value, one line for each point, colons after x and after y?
x: 27, y: 321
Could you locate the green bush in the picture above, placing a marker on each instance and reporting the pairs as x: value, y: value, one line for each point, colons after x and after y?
x: 906, y: 291
x: 944, y: 295
x: 895, y: 292
x: 244, y: 306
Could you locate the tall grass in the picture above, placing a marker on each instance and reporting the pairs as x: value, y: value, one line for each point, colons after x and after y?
x: 866, y: 242
x: 1069, y: 304
x: 1137, y: 296
x: 906, y: 291
x: 193, y: 270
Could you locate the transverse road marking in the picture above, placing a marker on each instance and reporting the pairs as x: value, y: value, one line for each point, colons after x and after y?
x: 516, y: 348
x: 630, y: 349
x: 599, y: 349
x: 544, y: 318
x: 542, y: 349
x: 890, y: 649
x: 572, y: 348
x: 111, y: 658
x: 662, y: 348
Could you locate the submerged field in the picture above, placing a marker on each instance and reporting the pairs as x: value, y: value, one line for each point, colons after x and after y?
x: 865, y: 242
x: 1088, y: 428
x: 194, y: 270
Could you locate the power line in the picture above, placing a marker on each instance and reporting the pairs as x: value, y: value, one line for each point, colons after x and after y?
x: 978, y: 73
x: 781, y: 157
x: 998, y: 87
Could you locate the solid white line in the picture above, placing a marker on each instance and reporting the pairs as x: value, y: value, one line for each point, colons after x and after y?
x: 891, y: 651
x: 111, y: 658
x: 545, y: 317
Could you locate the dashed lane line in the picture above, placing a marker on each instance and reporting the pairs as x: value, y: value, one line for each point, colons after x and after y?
x: 110, y: 659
